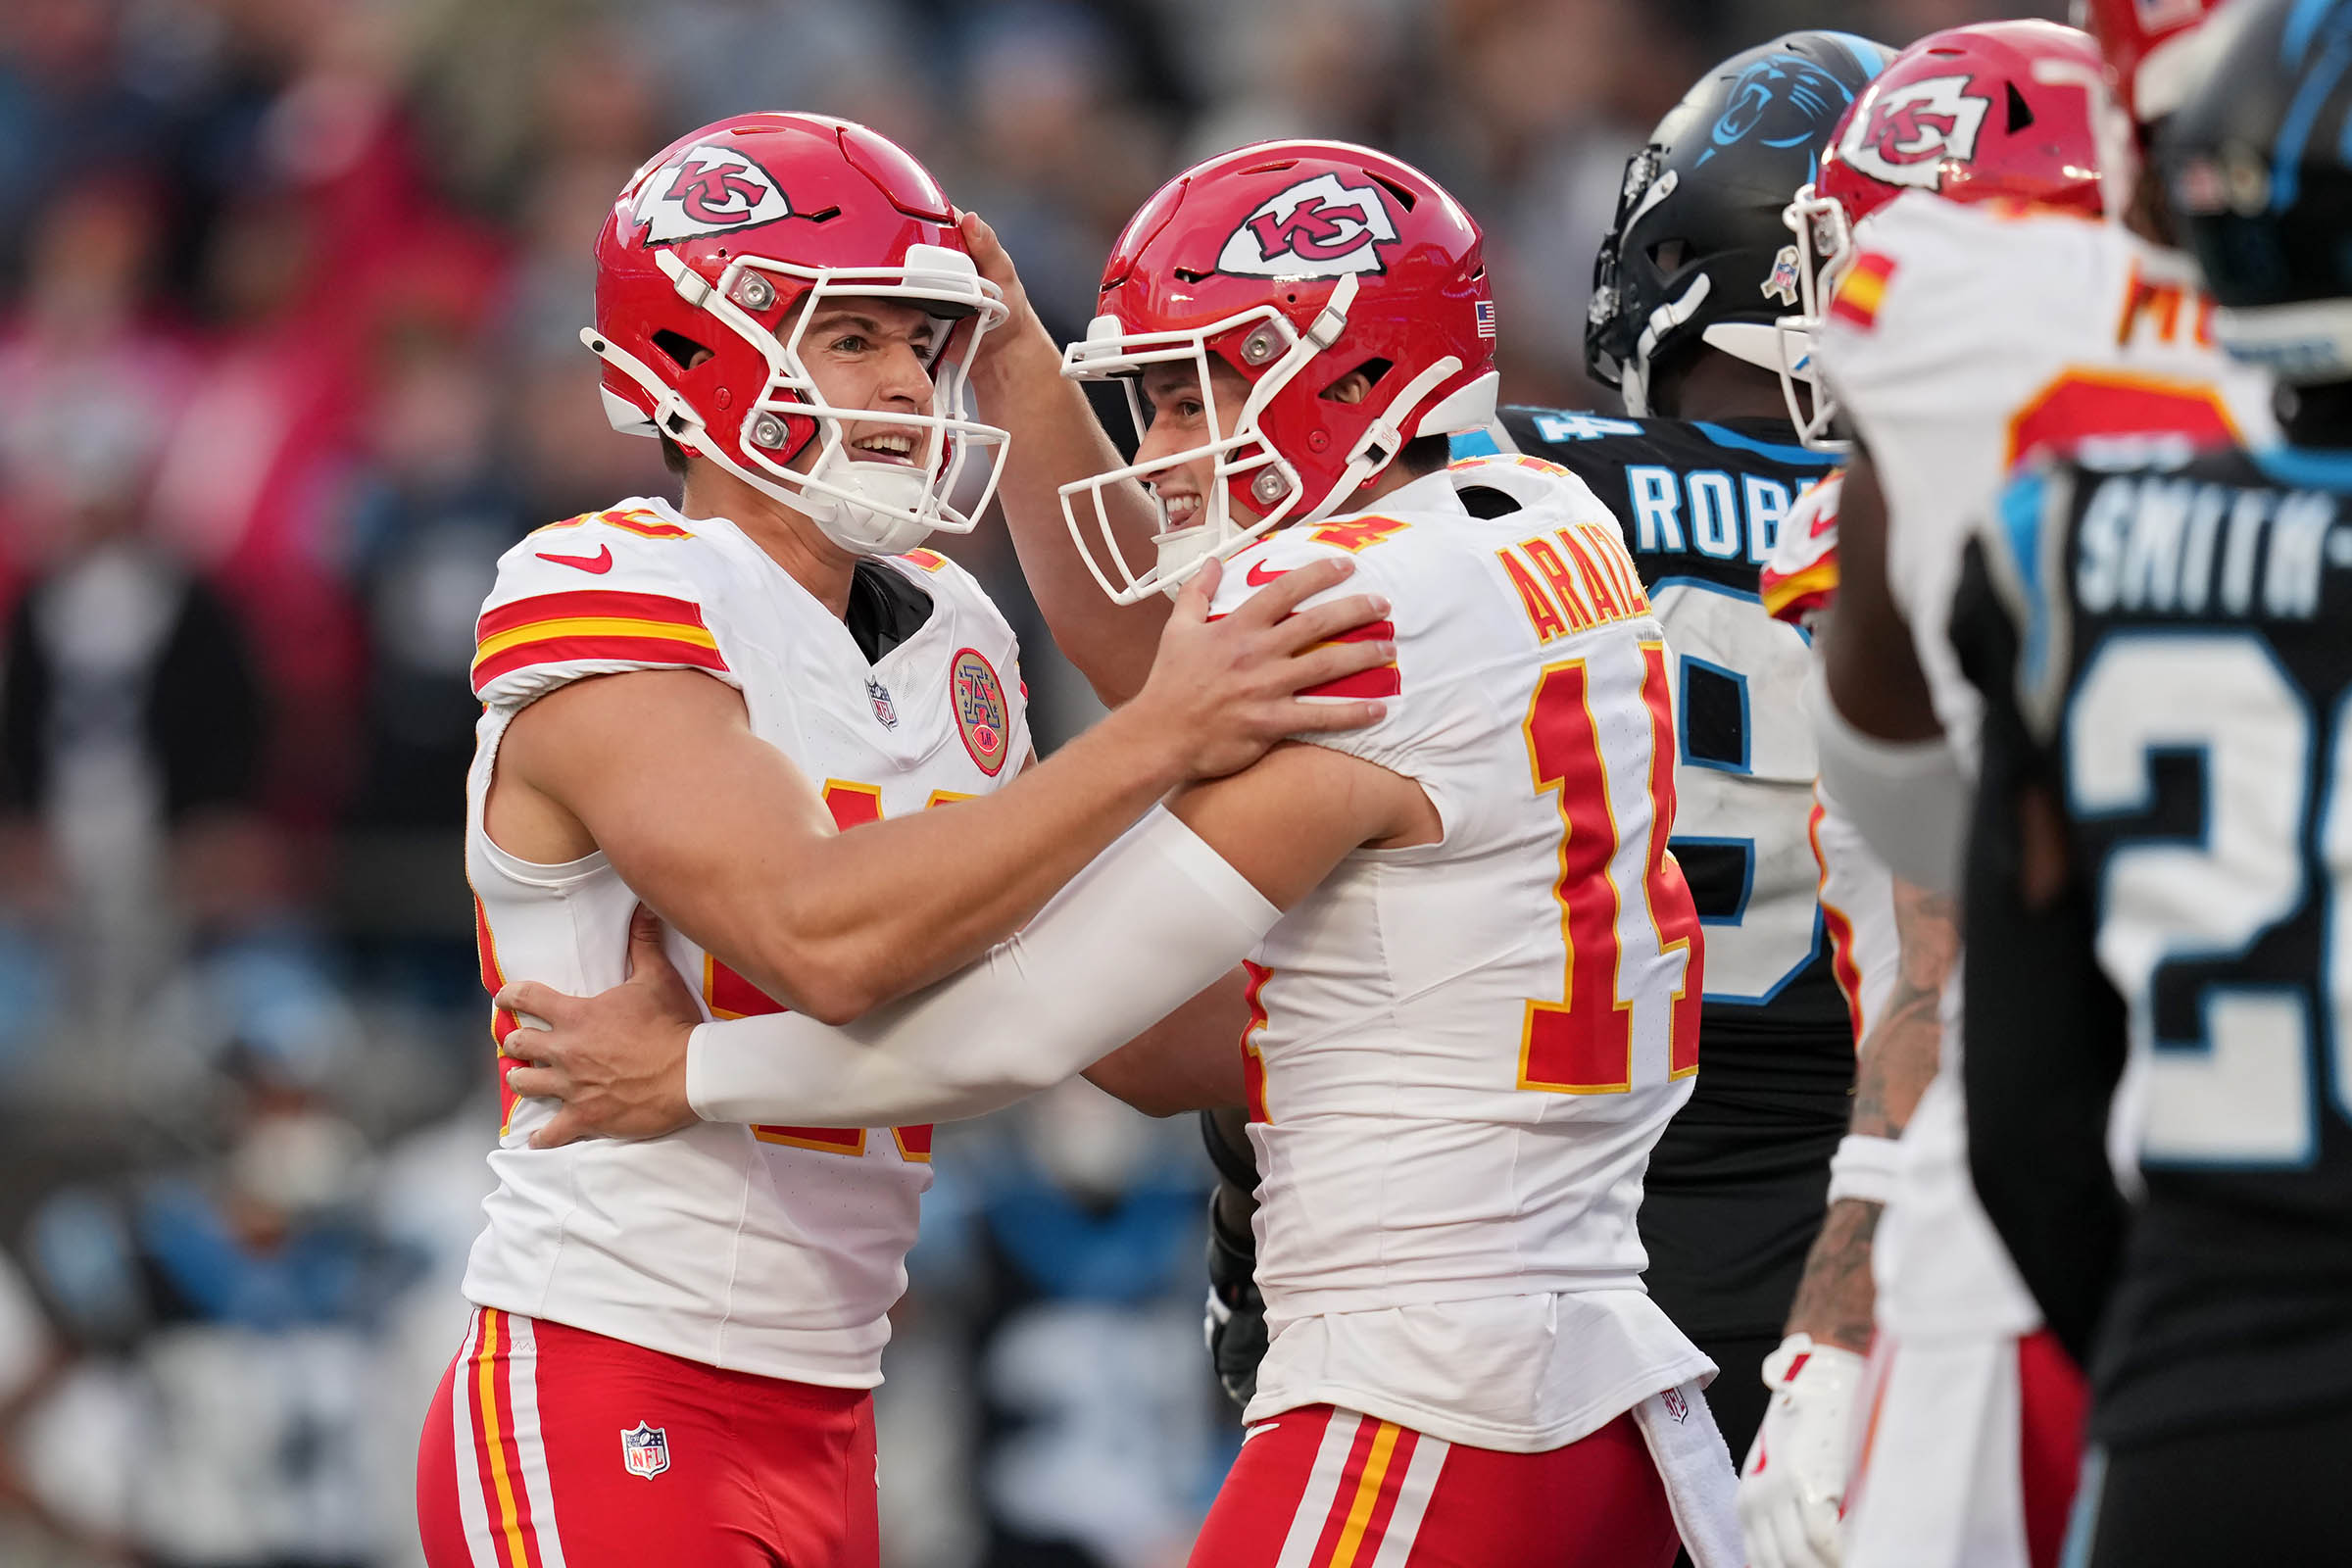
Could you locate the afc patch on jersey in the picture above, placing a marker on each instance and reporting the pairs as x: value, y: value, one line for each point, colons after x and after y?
x: 707, y: 190
x: 982, y: 717
x: 645, y: 1451
x: 1913, y: 130
x: 1315, y: 228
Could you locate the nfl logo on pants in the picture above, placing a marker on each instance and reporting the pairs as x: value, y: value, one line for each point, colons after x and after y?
x: 645, y: 1451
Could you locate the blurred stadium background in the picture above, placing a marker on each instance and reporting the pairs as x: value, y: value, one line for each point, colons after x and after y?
x: 288, y: 295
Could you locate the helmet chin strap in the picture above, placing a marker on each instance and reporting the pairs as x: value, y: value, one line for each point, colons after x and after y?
x: 872, y: 518
x: 1378, y: 446
x: 1635, y: 385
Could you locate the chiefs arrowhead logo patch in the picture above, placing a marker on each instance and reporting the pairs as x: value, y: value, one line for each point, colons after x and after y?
x: 1913, y: 130
x: 707, y: 191
x: 1315, y: 228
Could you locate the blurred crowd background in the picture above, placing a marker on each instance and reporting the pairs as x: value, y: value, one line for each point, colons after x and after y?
x: 289, y: 292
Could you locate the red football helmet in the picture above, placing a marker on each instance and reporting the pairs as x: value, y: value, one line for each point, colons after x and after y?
x: 1295, y: 262
x: 2000, y: 110
x: 2145, y: 43
x: 726, y: 241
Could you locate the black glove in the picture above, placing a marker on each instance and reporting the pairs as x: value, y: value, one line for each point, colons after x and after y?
x: 1236, y: 1321
x: 1235, y: 1324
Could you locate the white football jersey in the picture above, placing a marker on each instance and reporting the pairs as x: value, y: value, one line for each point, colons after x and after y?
x: 1964, y: 341
x: 1460, y: 1053
x: 776, y: 1251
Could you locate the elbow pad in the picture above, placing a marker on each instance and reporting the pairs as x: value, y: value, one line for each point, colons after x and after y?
x: 1908, y: 798
x: 1150, y: 922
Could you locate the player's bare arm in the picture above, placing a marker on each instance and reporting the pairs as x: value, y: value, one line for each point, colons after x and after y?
x: 1186, y: 1061
x: 1898, y: 1059
x: 722, y: 835
x: 1283, y: 824
x: 1867, y: 655
x: 1018, y: 375
x: 618, y: 1060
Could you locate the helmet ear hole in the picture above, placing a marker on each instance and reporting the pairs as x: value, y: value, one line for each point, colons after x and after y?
x: 680, y: 349
x: 1669, y: 255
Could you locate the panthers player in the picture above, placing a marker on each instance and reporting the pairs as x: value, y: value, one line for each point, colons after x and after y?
x: 1702, y: 475
x: 2159, y: 861
x: 1959, y: 338
x: 1480, y: 1004
x: 684, y: 705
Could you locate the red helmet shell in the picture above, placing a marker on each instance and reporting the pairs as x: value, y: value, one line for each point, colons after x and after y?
x: 1962, y: 114
x: 802, y: 189
x: 2132, y: 32
x: 1280, y: 224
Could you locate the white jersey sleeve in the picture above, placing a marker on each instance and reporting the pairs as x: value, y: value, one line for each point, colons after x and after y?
x: 600, y: 594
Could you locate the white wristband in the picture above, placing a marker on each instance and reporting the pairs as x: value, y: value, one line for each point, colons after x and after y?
x: 1864, y: 1168
x: 1148, y: 925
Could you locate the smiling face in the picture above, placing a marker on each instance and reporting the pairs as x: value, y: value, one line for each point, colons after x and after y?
x: 876, y: 353
x: 1179, y: 424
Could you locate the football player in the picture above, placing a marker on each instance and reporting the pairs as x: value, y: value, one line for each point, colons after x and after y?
x: 1702, y: 475
x: 1959, y: 338
x: 2040, y: 150
x: 2160, y: 862
x: 685, y: 705
x: 1481, y: 1002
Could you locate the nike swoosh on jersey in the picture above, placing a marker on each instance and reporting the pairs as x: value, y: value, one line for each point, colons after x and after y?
x: 600, y: 562
x: 1258, y: 576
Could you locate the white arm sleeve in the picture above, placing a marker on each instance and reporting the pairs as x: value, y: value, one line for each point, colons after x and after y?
x: 1907, y: 799
x: 1152, y: 921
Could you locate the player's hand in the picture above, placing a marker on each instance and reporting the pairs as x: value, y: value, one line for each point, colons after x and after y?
x: 1023, y: 333
x: 1793, y: 1488
x: 617, y: 1060
x: 1223, y: 692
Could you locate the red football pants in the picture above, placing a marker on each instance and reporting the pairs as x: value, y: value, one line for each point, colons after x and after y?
x: 552, y: 1448
x: 1320, y: 1488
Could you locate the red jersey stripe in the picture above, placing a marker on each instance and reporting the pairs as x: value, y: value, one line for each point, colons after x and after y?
x: 616, y: 602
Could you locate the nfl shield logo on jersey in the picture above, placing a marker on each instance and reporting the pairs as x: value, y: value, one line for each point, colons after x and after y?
x: 884, y: 710
x: 645, y: 1451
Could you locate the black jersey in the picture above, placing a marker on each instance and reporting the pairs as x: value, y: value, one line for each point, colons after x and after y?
x: 2163, y: 645
x: 1701, y: 504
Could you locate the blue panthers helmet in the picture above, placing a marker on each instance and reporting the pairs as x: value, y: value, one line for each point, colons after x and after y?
x: 1695, y: 255
x: 2256, y: 166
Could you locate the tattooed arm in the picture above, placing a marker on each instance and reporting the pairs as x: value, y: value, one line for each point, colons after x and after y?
x: 1834, y: 1299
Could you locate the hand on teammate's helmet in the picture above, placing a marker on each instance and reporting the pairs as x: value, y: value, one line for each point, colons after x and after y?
x: 617, y: 1060
x: 1793, y: 1488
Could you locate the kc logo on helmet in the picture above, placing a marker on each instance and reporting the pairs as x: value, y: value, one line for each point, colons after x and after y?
x: 1315, y: 228
x: 708, y: 190
x: 1911, y: 131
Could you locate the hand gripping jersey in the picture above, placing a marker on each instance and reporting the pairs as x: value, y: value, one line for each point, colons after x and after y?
x: 1964, y: 341
x: 1460, y: 1053
x: 2173, y: 641
x: 1699, y: 506
x: 776, y: 1251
